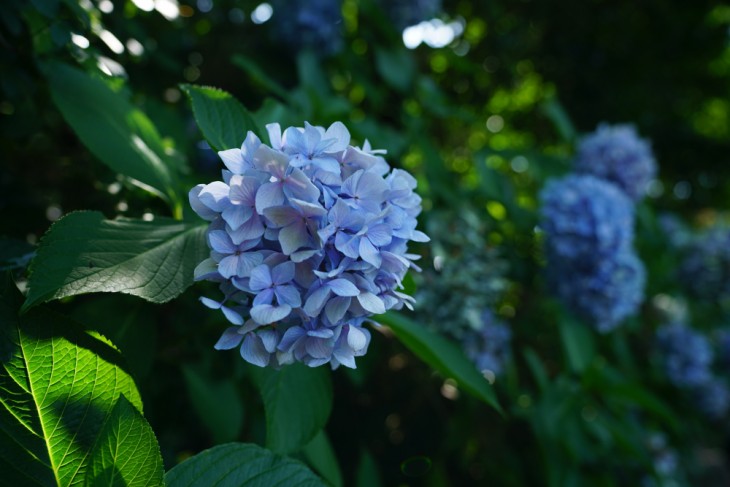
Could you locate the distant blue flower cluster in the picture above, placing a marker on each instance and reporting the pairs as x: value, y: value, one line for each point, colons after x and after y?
x: 686, y: 355
x: 713, y: 398
x: 316, y: 231
x: 488, y: 347
x: 315, y: 24
x: 405, y: 13
x: 705, y: 268
x: 617, y: 154
x: 591, y: 263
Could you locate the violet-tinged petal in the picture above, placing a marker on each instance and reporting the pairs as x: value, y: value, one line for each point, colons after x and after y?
x: 318, y: 348
x: 340, y: 134
x: 251, y: 230
x: 232, y: 315
x: 230, y: 339
x: 380, y: 235
x: 419, y: 236
x: 282, y: 273
x: 253, y: 351
x: 228, y: 266
x: 235, y: 216
x: 270, y: 340
x: 247, y: 261
x: 274, y: 131
x: 209, y: 303
x: 371, y: 303
x: 266, y: 313
x: 282, y: 216
x: 264, y: 296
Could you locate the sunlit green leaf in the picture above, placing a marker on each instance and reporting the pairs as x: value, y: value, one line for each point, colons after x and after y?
x: 70, y: 413
x: 241, y: 465
x: 223, y: 120
x: 121, y: 136
x: 84, y: 253
x: 444, y: 356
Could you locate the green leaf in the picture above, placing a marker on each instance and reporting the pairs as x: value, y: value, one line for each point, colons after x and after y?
x: 321, y: 456
x: 70, y: 413
x: 241, y: 465
x: 121, y: 136
x: 578, y: 343
x: 444, y: 356
x: 258, y: 76
x: 367, y: 474
x: 84, y: 253
x: 218, y: 404
x: 222, y: 119
x: 297, y: 402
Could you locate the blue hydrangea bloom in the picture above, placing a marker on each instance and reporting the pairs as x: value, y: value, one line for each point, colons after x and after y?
x: 591, y: 264
x: 685, y: 354
x: 309, y: 237
x: 315, y: 24
x: 705, y: 267
x: 585, y: 218
x: 713, y: 398
x: 616, y: 153
x: 488, y: 347
x: 605, y: 292
x: 404, y: 13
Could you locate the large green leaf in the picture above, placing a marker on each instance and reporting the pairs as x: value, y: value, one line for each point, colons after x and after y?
x: 223, y: 120
x: 121, y: 136
x: 297, y: 401
x: 444, y: 356
x: 241, y: 465
x: 70, y: 414
x: 84, y: 253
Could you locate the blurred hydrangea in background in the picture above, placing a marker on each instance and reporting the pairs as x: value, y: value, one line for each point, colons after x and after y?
x: 316, y: 231
x: 685, y: 355
x: 616, y: 153
x: 466, y: 279
x: 705, y: 268
x: 591, y: 264
x: 313, y: 24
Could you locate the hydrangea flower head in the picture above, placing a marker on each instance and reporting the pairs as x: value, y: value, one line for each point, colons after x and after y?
x: 616, y: 153
x: 591, y: 264
x: 316, y: 24
x: 488, y: 347
x: 604, y: 292
x: 584, y: 218
x: 309, y: 238
x: 705, y: 267
x: 712, y: 397
x: 686, y: 355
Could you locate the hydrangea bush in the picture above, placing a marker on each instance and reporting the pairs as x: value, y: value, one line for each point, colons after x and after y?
x: 686, y: 355
x: 616, y: 153
x: 489, y: 346
x: 309, y: 238
x: 705, y: 267
x: 591, y: 263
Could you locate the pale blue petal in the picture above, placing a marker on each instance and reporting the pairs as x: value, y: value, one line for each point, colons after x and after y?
x: 380, y: 235
x: 233, y: 159
x: 210, y: 303
x: 419, y: 236
x: 369, y: 253
x: 251, y: 230
x: 221, y: 242
x: 340, y: 134
x: 236, y: 215
x: 274, y: 131
x: 356, y: 339
x: 316, y: 301
x: 198, y: 206
x: 246, y: 263
x: 232, y: 316
x: 228, y: 266
x: 336, y: 308
x: 371, y: 303
x: 291, y: 336
x: 268, y: 195
x: 265, y: 296
x: 343, y: 287
x: 270, y: 340
x: 281, y: 216
x: 318, y: 348
x: 230, y: 339
x: 288, y: 295
x: 260, y: 278
x: 253, y: 351
x: 293, y: 237
x: 215, y: 196
x: 298, y: 185
x: 283, y: 273
x: 266, y: 313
